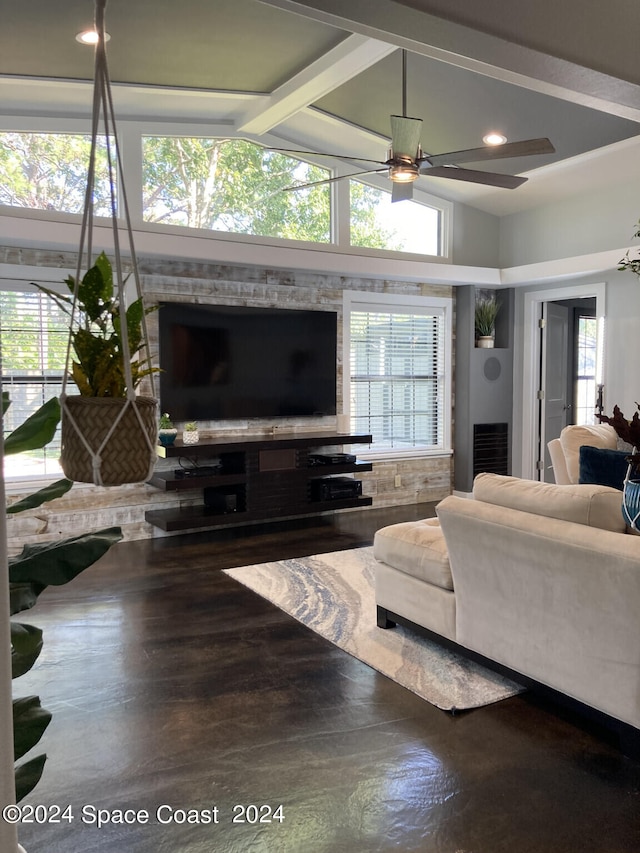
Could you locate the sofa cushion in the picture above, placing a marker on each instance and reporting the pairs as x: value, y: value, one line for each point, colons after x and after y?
x: 573, y: 437
x: 593, y: 505
x: 603, y: 466
x: 416, y: 548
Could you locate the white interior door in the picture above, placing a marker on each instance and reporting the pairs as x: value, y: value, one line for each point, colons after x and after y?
x: 554, y: 404
x: 527, y: 417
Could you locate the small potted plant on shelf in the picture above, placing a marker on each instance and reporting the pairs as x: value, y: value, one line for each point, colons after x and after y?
x: 486, y: 312
x: 108, y: 431
x: 167, y: 432
x: 190, y: 433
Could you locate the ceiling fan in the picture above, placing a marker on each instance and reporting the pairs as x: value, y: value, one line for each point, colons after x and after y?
x: 406, y: 160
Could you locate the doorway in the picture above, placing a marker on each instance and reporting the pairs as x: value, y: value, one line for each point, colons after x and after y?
x: 560, y: 378
x: 568, y: 374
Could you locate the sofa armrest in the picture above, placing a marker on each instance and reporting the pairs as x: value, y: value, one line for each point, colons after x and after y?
x: 555, y: 600
x: 558, y: 462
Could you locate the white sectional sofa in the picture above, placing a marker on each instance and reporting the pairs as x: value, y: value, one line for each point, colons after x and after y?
x: 538, y: 578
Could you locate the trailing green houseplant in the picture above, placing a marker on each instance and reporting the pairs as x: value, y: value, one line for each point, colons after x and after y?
x: 98, y: 369
x: 108, y: 433
x: 30, y: 573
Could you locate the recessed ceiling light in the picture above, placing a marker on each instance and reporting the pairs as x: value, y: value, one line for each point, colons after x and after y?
x: 90, y: 37
x: 494, y: 138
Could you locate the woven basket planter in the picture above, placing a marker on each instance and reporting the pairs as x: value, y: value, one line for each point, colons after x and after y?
x: 128, y: 455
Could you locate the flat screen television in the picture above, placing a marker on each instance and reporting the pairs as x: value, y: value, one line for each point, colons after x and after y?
x: 227, y: 363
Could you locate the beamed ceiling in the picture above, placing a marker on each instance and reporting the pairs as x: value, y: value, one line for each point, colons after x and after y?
x: 325, y: 75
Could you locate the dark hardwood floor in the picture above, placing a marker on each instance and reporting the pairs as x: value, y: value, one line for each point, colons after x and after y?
x: 174, y: 686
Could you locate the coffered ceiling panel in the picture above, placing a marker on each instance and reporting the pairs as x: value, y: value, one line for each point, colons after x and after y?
x: 326, y: 75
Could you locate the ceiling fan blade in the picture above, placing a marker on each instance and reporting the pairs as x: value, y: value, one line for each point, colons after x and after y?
x: 405, y: 136
x: 401, y: 191
x: 324, y: 154
x: 493, y: 152
x: 491, y: 179
x: 331, y: 180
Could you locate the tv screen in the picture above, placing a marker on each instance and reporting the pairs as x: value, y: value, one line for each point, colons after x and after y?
x: 225, y: 363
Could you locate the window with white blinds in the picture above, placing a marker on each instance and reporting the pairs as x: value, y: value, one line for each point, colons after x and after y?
x: 33, y: 342
x: 399, y: 382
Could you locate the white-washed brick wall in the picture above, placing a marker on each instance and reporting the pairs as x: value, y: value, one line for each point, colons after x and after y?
x: 89, y: 507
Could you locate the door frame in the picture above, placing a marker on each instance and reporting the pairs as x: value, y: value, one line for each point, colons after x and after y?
x: 533, y: 301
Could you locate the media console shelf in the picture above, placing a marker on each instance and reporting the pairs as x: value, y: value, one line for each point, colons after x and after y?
x: 254, y: 480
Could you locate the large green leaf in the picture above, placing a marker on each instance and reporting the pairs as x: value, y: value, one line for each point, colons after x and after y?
x: 28, y: 775
x: 30, y: 720
x: 49, y: 493
x: 65, y: 303
x: 55, y: 563
x: 96, y: 289
x: 22, y: 596
x: 26, y: 645
x: 36, y: 431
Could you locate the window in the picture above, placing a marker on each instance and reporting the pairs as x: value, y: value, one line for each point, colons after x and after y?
x: 399, y: 372
x: 405, y: 226
x: 233, y: 185
x: 33, y: 344
x: 224, y: 185
x: 48, y: 171
x: 585, y: 382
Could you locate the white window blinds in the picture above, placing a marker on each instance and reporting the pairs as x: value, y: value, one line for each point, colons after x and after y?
x: 397, y: 377
x: 33, y: 342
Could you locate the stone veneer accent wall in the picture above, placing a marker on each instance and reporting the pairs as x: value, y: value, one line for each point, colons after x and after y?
x: 89, y: 507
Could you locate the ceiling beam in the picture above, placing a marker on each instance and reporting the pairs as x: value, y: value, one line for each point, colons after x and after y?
x: 480, y: 52
x: 352, y: 56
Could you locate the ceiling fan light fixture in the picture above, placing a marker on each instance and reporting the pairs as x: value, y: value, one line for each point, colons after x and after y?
x: 90, y: 37
x: 403, y: 173
x: 494, y: 137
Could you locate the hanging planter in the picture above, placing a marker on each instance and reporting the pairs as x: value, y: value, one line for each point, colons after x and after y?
x: 108, y: 440
x: 109, y: 434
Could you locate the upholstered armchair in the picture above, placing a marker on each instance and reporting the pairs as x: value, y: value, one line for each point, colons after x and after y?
x: 565, y: 451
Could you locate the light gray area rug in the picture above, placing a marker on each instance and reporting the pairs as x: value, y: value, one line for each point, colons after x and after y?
x: 333, y: 594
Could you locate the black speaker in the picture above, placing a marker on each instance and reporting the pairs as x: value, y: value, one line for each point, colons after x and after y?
x: 492, y: 369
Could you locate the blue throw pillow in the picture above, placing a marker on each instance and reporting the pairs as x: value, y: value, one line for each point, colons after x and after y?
x: 602, y: 466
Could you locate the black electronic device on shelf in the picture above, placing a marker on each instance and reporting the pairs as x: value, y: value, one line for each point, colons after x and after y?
x: 335, y: 488
x: 316, y: 459
x: 198, y: 471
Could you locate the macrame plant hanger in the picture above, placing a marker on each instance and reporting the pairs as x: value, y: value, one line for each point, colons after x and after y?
x: 107, y: 440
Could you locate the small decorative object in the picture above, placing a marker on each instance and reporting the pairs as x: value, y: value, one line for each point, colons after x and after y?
x: 485, y: 321
x: 629, y: 432
x: 167, y: 433
x: 190, y: 434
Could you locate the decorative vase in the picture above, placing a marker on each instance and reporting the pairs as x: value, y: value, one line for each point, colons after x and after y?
x: 166, y: 437
x: 191, y: 436
x: 631, y: 503
x: 108, y: 441
x: 485, y: 342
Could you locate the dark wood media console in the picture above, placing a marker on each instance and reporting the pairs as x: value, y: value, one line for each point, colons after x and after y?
x: 255, y: 480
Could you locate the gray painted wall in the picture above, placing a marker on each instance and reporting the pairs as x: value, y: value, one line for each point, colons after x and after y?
x: 476, y: 237
x: 578, y: 225
x: 620, y: 355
